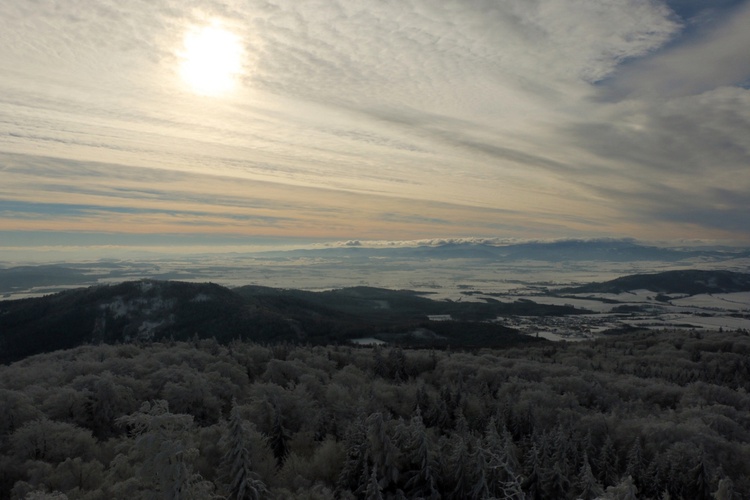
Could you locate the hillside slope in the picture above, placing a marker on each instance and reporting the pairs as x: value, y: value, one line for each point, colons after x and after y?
x: 689, y: 282
x: 149, y: 310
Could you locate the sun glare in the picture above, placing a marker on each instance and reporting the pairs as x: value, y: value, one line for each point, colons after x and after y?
x: 211, y: 60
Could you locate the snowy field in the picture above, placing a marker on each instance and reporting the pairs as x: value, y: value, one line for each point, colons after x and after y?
x: 726, y: 301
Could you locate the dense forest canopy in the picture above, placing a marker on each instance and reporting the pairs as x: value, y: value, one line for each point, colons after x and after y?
x: 644, y: 415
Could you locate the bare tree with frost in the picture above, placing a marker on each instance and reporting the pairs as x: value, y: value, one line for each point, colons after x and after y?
x: 165, y: 450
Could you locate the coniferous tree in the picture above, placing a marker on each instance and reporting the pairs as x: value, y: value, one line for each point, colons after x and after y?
x: 585, y: 446
x: 356, y: 464
x: 655, y: 474
x: 439, y: 416
x: 446, y: 396
x: 700, y: 489
x: 557, y: 483
x: 608, y: 463
x: 502, y: 478
x: 478, y: 473
x: 457, y: 463
x: 493, y: 446
x: 279, y: 438
x: 636, y: 464
x: 381, y: 368
x: 562, y: 451
x: 423, y: 401
x: 532, y: 484
x: 374, y: 491
x: 510, y: 450
x: 382, y: 450
x: 397, y: 365
x: 244, y: 484
x: 461, y: 425
x: 421, y: 480
x: 589, y: 487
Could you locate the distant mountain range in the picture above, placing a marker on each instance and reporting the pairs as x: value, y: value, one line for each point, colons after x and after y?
x: 688, y: 282
x: 559, y: 251
x: 49, y: 278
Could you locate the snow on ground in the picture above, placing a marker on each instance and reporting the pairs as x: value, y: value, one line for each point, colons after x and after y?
x: 739, y: 301
x: 578, y: 303
x: 367, y: 341
x: 557, y: 337
x: 439, y: 317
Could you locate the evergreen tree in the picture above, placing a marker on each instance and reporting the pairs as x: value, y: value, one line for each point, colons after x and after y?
x: 244, y: 484
x: 356, y: 464
x: 562, y: 451
x: 381, y: 368
x: 501, y: 463
x: 382, y: 450
x: 557, y: 483
x: 439, y: 416
x: 492, y: 444
x: 397, y: 365
x: 480, y: 487
x: 609, y: 464
x: 510, y: 450
x: 532, y: 484
x: 457, y: 463
x: 588, y: 486
x: 461, y: 425
x: 279, y: 439
x: 374, y: 491
x: 700, y: 489
x: 421, y: 480
x: 423, y: 401
x: 586, y: 446
x: 636, y: 464
x: 654, y: 479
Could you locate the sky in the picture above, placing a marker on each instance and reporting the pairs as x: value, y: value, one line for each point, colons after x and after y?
x: 239, y: 123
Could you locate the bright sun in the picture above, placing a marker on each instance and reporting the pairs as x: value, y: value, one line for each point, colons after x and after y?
x: 211, y: 60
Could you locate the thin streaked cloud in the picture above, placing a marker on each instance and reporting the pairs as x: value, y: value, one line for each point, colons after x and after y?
x: 366, y: 120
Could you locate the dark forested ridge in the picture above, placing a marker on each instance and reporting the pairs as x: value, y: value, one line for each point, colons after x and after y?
x: 688, y: 282
x: 153, y: 310
x: 650, y: 415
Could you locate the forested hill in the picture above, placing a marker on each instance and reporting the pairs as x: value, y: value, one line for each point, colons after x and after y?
x: 154, y: 310
x: 689, y: 282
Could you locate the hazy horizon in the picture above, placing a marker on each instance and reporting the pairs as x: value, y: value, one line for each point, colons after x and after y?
x: 196, y: 249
